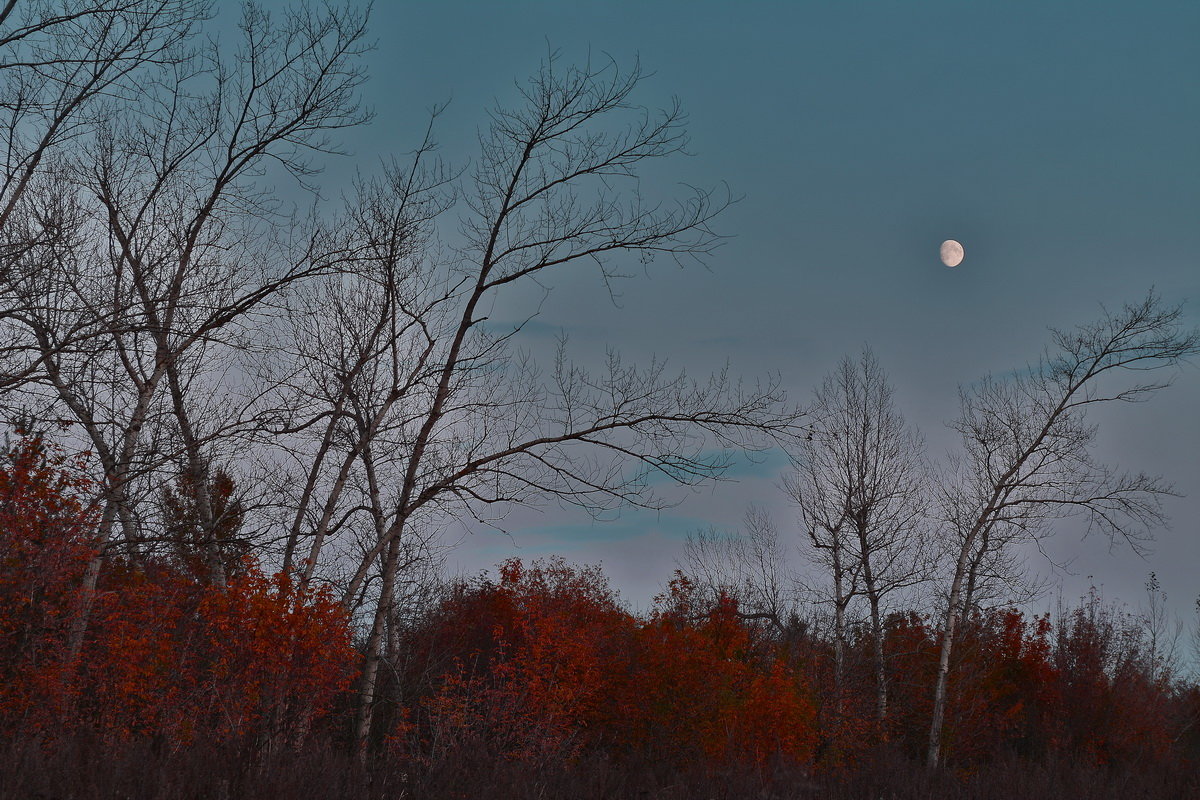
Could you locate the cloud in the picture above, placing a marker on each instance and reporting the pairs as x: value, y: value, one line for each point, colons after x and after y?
x: 767, y: 465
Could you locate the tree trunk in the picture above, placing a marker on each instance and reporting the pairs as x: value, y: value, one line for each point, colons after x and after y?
x: 877, y: 634
x: 370, y: 672
x: 198, y: 477
x: 873, y: 598
x: 840, y: 601
x: 941, y: 684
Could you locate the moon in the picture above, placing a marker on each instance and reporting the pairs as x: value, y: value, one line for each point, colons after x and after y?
x: 952, y: 253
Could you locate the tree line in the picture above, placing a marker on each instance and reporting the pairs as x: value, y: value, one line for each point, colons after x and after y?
x: 538, y: 681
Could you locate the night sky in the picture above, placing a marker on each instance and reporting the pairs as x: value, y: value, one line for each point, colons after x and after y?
x: 1059, y: 142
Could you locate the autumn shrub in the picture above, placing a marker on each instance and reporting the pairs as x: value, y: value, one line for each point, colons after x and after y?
x: 1115, y: 697
x: 707, y: 689
x: 165, y: 656
x: 1005, y: 698
x: 535, y: 686
x: 136, y: 672
x: 848, y: 729
x: 1084, y: 687
x: 45, y: 546
x: 255, y: 662
x: 568, y: 672
x: 536, y: 683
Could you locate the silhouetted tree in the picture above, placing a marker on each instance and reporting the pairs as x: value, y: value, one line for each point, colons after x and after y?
x: 860, y: 488
x: 467, y: 422
x: 1027, y: 448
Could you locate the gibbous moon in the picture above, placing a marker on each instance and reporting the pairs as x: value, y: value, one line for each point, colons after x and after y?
x: 952, y: 253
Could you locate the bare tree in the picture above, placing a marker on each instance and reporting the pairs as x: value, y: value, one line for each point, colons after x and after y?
x: 824, y: 541
x: 749, y: 565
x: 61, y: 58
x: 358, y: 348
x: 1162, y: 634
x: 168, y: 247
x: 1027, y: 447
x: 997, y: 568
x: 480, y: 425
x: 860, y: 490
x: 145, y: 265
x: 64, y: 66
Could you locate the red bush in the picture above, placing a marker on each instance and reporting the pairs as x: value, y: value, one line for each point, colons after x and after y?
x: 45, y: 545
x: 256, y: 661
x: 569, y: 670
x: 165, y: 656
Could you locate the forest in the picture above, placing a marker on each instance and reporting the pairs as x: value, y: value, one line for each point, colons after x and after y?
x: 240, y: 413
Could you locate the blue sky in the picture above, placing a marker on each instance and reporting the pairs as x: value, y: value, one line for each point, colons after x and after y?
x: 1058, y: 141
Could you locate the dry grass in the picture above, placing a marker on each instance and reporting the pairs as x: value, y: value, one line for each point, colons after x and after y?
x: 84, y: 769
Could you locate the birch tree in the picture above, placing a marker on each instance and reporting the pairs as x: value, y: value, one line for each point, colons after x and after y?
x: 860, y: 490
x: 148, y: 266
x: 1027, y: 444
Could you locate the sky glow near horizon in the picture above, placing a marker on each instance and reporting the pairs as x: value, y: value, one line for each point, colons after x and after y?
x: 1056, y: 141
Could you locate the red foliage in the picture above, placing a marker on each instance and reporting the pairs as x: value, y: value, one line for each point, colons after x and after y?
x: 540, y: 667
x: 1005, y: 696
x: 548, y: 669
x: 1113, y: 702
x: 912, y: 651
x: 708, y: 690
x: 570, y: 670
x: 165, y: 655
x: 1020, y: 688
x: 254, y: 661
x: 44, y: 549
